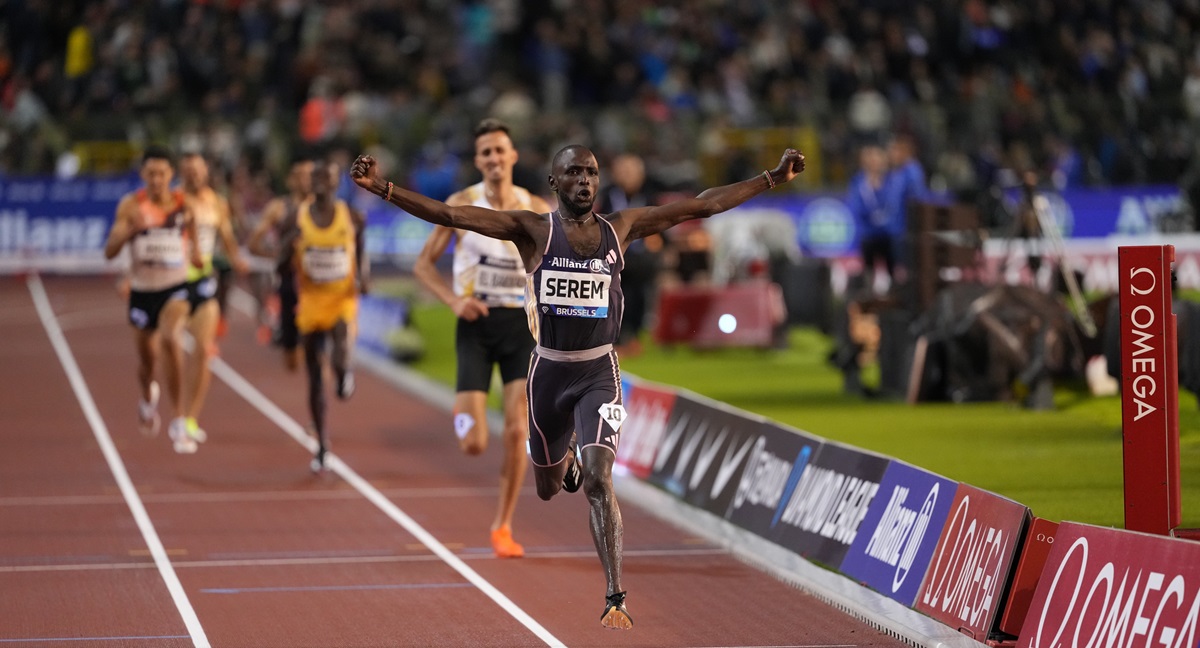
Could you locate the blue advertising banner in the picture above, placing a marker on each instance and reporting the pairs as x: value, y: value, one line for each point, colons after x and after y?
x: 377, y: 318
x: 824, y: 514
x: 777, y: 459
x: 825, y: 226
x: 42, y: 217
x: 1125, y: 211
x: 897, y: 538
x: 46, y: 216
x: 703, y: 452
x: 66, y: 221
x: 394, y: 235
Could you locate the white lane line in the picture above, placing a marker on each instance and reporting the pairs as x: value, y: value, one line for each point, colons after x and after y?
x: 78, y: 319
x: 351, y: 560
x: 293, y: 429
x: 115, y: 464
x: 247, y: 496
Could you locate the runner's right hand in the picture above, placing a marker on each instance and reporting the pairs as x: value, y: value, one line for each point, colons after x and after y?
x: 469, y: 308
x: 363, y: 171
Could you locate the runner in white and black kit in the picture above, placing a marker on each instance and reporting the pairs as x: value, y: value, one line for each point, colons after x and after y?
x: 492, y: 329
x: 573, y: 257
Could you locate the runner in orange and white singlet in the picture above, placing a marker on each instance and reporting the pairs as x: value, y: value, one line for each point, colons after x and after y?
x: 153, y: 222
x: 323, y: 244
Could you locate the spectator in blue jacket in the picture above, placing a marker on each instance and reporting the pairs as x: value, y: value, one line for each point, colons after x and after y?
x: 865, y: 198
x: 905, y: 183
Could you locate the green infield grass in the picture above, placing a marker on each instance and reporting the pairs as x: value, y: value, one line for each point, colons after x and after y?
x: 1064, y: 464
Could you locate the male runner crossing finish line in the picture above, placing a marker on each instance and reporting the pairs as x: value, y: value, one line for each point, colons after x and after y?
x: 573, y: 257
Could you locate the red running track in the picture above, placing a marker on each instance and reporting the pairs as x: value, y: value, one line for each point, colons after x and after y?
x: 239, y: 545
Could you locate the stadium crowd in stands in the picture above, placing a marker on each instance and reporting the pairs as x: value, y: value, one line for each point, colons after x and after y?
x: 1091, y: 92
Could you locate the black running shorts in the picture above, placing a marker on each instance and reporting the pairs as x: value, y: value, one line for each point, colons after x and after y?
x: 564, y: 397
x: 201, y: 290
x: 502, y: 338
x: 145, y: 307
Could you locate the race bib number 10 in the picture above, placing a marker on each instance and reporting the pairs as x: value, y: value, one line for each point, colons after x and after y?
x: 613, y: 414
x: 326, y: 264
x: 575, y: 294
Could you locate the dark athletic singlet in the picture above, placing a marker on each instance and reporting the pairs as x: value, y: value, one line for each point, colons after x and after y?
x: 578, y: 300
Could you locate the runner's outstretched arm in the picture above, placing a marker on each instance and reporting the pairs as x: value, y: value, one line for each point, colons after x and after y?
x: 506, y: 225
x: 645, y: 221
x: 360, y: 250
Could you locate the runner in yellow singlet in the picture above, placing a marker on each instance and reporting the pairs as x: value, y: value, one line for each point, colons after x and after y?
x: 323, y: 244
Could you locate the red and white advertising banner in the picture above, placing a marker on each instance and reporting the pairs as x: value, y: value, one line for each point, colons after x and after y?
x: 966, y: 582
x: 1109, y: 588
x: 1039, y: 540
x: 1148, y: 394
x: 649, y: 409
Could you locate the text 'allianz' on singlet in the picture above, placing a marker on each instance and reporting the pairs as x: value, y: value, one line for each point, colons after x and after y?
x: 577, y: 300
x: 489, y: 269
x: 158, y: 254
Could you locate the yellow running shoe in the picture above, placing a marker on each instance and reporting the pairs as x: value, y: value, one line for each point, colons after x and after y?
x: 194, y: 430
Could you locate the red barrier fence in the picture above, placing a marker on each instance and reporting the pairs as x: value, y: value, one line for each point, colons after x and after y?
x: 1149, y: 389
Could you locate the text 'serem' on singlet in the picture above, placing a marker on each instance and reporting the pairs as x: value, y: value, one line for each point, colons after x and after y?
x: 578, y: 300
x: 158, y: 254
x: 489, y: 269
x: 325, y: 256
x: 204, y: 211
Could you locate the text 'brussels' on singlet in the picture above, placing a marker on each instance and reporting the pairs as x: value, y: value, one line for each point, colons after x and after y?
x: 325, y: 256
x: 577, y: 301
x: 488, y: 269
x: 158, y: 254
x: 208, y: 220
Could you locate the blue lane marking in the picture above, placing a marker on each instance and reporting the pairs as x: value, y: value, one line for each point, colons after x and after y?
x: 331, y: 588
x: 151, y: 637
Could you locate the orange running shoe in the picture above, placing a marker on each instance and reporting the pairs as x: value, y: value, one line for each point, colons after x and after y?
x: 615, y: 616
x: 504, y: 545
x: 264, y: 334
x: 222, y: 327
